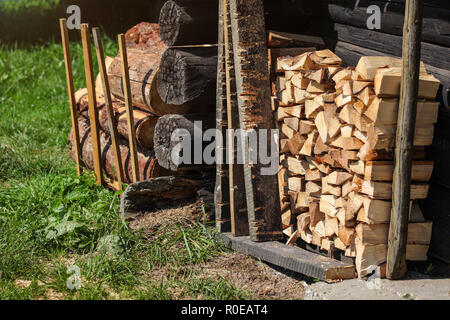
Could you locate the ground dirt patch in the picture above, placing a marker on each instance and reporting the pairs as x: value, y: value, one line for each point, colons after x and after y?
x: 241, y: 271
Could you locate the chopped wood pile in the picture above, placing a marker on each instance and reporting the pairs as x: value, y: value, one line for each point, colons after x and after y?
x: 338, y: 129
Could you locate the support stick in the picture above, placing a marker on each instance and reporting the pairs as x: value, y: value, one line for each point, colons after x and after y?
x: 71, y: 91
x: 109, y: 108
x: 129, y: 106
x: 93, y: 112
x: 238, y: 209
x: 221, y: 196
x: 396, y: 259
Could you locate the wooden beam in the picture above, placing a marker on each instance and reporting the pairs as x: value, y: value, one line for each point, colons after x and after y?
x: 238, y: 209
x: 401, y: 189
x: 222, y: 189
x: 71, y: 92
x: 93, y: 112
x: 109, y: 108
x: 129, y: 106
x: 255, y: 112
x: 293, y: 258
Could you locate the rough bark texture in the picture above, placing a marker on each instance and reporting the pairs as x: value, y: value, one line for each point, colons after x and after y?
x: 148, y: 165
x: 144, y: 122
x: 187, y: 76
x: 221, y: 190
x: 253, y: 90
x: 396, y: 259
x: 163, y: 137
x: 188, y: 22
x: 155, y: 193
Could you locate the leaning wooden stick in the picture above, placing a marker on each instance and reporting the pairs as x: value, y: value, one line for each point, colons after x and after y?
x: 238, y: 208
x: 93, y: 112
x: 109, y: 107
x: 129, y: 106
x: 71, y: 91
x: 407, y: 110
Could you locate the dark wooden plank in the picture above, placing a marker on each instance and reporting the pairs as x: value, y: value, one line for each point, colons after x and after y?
x: 255, y: 112
x: 293, y: 258
x: 434, y: 30
x: 437, y: 209
x: 431, y: 54
x: 407, y: 111
x: 238, y: 206
x: 221, y: 190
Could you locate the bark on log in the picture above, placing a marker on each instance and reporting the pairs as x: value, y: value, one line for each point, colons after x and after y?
x: 148, y: 165
x: 144, y: 122
x: 155, y: 193
x: 187, y: 76
x: 164, y: 145
x: 253, y: 92
x: 221, y: 190
x: 185, y: 22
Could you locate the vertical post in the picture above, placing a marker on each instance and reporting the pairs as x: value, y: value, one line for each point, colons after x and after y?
x: 221, y: 196
x: 238, y: 210
x: 396, y: 259
x: 71, y: 91
x: 255, y: 113
x: 93, y: 111
x: 109, y: 108
x: 129, y: 107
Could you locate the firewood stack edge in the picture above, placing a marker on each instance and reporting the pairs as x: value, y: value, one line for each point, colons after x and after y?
x: 338, y: 128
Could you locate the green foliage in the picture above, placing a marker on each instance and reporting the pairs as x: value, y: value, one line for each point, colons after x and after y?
x: 14, y: 6
x: 51, y: 219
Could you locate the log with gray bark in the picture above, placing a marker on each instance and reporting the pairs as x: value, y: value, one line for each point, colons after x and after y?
x: 191, y: 124
x: 148, y: 165
x: 187, y: 76
x: 156, y: 193
x: 191, y: 22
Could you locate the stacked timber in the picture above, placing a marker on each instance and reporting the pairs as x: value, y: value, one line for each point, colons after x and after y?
x: 336, y: 166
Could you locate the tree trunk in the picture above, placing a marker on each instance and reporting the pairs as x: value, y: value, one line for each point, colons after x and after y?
x: 164, y: 145
x: 156, y: 193
x: 189, y: 22
x: 253, y: 92
x: 187, y: 76
x: 148, y: 166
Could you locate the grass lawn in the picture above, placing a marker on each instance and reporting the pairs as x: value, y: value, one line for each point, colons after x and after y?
x: 50, y: 219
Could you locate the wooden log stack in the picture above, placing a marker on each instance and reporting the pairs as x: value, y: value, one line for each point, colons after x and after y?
x: 336, y: 165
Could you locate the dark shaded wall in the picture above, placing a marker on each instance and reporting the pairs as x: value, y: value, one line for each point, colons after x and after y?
x: 115, y: 16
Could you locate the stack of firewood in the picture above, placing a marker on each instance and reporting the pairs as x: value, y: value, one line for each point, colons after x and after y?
x: 171, y: 88
x: 338, y: 136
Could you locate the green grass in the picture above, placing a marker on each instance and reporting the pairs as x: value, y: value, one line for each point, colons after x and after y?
x: 51, y: 219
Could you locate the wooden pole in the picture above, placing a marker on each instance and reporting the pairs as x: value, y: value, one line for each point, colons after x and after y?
x: 255, y: 113
x: 129, y: 107
x: 396, y: 259
x: 221, y: 191
x: 93, y: 112
x: 238, y: 210
x: 109, y: 107
x: 71, y: 91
